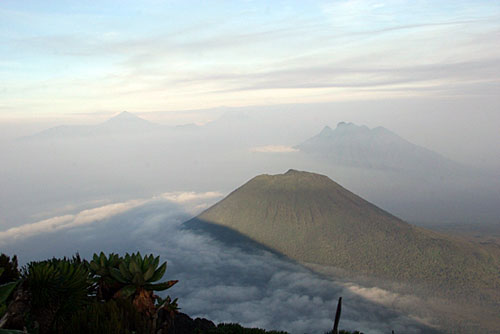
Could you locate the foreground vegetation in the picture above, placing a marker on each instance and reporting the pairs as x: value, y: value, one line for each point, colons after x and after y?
x: 110, y: 294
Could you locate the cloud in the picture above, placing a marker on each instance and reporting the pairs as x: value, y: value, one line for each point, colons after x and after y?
x: 382, y: 296
x: 190, y: 201
x: 183, y: 197
x: 432, y: 77
x: 222, y: 282
x: 84, y: 217
x: 273, y: 149
x: 190, y: 63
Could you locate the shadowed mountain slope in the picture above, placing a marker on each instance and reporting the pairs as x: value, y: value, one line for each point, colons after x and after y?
x: 310, y: 218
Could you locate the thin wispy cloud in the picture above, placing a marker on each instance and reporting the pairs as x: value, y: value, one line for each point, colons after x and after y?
x: 50, y: 225
x: 274, y: 149
x: 243, y: 54
x: 191, y: 196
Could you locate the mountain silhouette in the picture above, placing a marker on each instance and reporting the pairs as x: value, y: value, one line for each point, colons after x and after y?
x: 125, y: 123
x: 127, y: 119
x: 378, y: 148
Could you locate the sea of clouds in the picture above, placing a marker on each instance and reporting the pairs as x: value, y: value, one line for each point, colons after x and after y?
x: 219, y: 281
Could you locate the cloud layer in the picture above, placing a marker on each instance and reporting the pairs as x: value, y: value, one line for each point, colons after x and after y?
x: 224, y: 283
x: 190, y: 201
x: 247, y: 53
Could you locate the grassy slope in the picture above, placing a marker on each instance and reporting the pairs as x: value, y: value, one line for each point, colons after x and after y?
x: 310, y: 218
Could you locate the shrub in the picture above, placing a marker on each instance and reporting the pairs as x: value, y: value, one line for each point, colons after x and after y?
x: 132, y: 276
x: 238, y: 329
x: 57, y: 288
x: 8, y: 268
x: 110, y: 317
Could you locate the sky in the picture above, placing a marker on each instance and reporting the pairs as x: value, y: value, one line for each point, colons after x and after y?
x: 60, y: 58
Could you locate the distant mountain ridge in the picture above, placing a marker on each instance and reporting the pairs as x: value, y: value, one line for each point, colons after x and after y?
x: 378, y: 148
x: 125, y: 123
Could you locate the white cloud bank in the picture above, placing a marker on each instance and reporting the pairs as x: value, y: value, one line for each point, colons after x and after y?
x: 191, y: 196
x: 274, y: 149
x: 405, y: 303
x: 190, y: 201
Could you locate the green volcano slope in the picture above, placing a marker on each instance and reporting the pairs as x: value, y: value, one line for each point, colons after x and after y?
x: 310, y: 218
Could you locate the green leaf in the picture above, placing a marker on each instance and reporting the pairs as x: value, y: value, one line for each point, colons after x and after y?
x: 5, y: 291
x: 124, y: 271
x: 117, y: 275
x: 11, y: 331
x: 134, y: 267
x: 149, y: 273
x: 94, y: 266
x: 145, y: 263
x: 126, y: 291
x: 138, y: 279
x: 159, y: 273
x: 160, y: 286
x: 1, y: 271
x: 156, y: 262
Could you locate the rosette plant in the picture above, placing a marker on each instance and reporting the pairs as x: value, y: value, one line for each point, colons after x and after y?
x: 57, y: 288
x: 100, y: 267
x: 133, y: 276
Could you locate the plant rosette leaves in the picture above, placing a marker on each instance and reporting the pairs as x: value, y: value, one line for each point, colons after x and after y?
x: 160, y: 286
x: 6, y: 290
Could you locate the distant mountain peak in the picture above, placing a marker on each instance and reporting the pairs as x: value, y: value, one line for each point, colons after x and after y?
x: 127, y: 120
x: 326, y: 131
x: 343, y: 127
x: 351, y: 127
x: 360, y: 146
x: 327, y: 128
x: 293, y: 172
x: 126, y: 116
